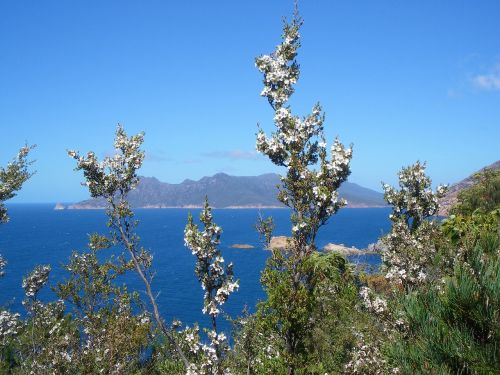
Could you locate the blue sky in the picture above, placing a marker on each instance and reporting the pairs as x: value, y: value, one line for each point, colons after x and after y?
x: 400, y: 80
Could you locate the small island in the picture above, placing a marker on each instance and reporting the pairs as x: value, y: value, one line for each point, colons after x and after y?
x: 59, y: 206
x: 242, y: 246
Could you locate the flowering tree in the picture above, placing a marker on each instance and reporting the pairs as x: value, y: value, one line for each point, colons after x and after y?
x: 453, y: 324
x: 409, y: 247
x: 111, y: 334
x: 409, y: 260
x: 44, y: 344
x: 12, y: 179
x: 415, y: 201
x: 112, y: 179
x: 218, y: 283
x: 299, y: 145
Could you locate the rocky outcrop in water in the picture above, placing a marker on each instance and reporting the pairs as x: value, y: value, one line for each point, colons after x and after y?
x: 281, y: 242
x: 242, y: 246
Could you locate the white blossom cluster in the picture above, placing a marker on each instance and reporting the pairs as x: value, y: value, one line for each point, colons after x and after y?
x: 216, y: 280
x: 55, y: 358
x: 409, y: 248
x: 9, y: 324
x: 192, y: 339
x: 209, y: 355
x: 415, y: 201
x: 12, y: 178
x: 115, y: 173
x: 46, y: 315
x: 390, y: 323
x: 55, y: 350
x: 218, y: 283
x: 372, y: 303
x: 367, y: 359
x: 36, y: 280
x: 98, y: 350
x: 100, y: 337
x: 407, y: 254
x: 80, y: 262
x: 331, y: 175
x: 280, y: 69
x: 255, y: 346
x: 47, y: 318
x: 299, y: 144
x: 293, y: 133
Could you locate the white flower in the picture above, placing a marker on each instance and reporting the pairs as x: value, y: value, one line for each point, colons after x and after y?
x: 8, y: 324
x: 36, y: 280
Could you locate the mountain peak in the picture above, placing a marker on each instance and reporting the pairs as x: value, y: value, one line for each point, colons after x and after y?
x: 221, y: 175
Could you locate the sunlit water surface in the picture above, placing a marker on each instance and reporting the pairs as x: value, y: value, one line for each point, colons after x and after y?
x: 38, y: 234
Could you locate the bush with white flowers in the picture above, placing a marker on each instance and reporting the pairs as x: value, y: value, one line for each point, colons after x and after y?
x: 410, y: 249
x: 314, y: 173
x: 218, y: 283
x: 112, y: 179
x: 299, y: 145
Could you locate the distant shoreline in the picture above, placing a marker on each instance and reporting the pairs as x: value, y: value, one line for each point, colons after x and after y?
x: 73, y: 207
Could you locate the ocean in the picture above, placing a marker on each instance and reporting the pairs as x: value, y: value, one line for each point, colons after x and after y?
x: 38, y: 234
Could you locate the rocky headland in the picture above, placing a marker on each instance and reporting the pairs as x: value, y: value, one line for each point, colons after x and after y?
x: 451, y: 197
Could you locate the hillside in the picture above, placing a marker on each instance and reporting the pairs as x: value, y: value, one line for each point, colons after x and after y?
x: 225, y: 191
x: 451, y: 196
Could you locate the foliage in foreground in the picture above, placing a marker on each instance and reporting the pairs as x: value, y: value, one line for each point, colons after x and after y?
x: 433, y: 309
x: 12, y: 179
x: 452, y: 326
x: 455, y: 328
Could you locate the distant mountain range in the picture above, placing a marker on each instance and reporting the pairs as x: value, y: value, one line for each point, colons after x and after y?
x: 225, y: 191
x: 451, y: 196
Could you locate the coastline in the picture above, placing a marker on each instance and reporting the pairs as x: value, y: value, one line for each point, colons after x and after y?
x: 160, y: 207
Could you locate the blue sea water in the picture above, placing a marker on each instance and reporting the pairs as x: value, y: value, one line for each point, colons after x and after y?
x: 38, y: 234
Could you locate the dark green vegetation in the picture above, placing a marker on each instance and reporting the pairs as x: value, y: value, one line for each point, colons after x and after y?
x: 482, y: 197
x: 454, y: 326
